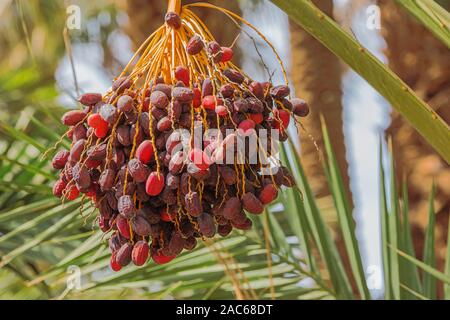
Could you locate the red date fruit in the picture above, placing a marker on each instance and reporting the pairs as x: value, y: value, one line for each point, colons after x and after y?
x: 226, y: 90
x: 108, y: 113
x: 60, y: 159
x: 227, y: 54
x: 287, y: 178
x: 115, y: 266
x: 268, y: 194
x: 207, y: 88
x: 89, y: 99
x: 97, y: 152
x: 245, y: 225
x: 154, y: 184
x: 79, y: 132
x: 228, y: 175
x: 164, y: 124
x: 77, y: 149
x: 190, y: 243
x: 176, y: 162
x: 121, y: 84
x: 71, y: 192
x: 160, y: 258
x: 252, y: 204
x: 123, y: 135
x: 140, y: 253
x: 58, y: 188
x: 123, y: 226
x: 73, y: 117
x: 145, y: 151
x: 182, y: 74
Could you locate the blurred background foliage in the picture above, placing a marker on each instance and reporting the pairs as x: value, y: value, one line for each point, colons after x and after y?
x: 304, y: 247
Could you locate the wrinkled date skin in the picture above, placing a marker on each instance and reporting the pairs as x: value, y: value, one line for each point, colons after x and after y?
x: 156, y: 191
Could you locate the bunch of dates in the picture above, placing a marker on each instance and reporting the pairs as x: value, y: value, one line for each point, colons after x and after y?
x: 157, y: 190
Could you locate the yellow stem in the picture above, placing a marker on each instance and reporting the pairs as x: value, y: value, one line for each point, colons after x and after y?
x: 174, y: 6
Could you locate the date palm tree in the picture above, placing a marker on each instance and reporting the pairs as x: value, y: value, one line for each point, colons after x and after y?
x: 42, y: 239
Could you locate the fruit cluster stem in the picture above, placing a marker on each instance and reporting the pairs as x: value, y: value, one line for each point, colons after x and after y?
x: 174, y: 6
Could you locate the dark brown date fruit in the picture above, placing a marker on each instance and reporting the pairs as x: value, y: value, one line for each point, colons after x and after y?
x: 192, y: 204
x: 123, y: 256
x: 125, y: 103
x: 159, y: 99
x: 233, y: 76
x: 77, y: 149
x: 81, y: 177
x: 123, y: 135
x: 126, y: 207
x: 138, y: 171
x: 232, y: 208
x: 190, y: 243
x: 195, y: 45
x: 206, y: 225
x: 141, y: 226
x: 280, y: 92
x: 224, y: 230
x: 173, y: 20
x: 182, y: 94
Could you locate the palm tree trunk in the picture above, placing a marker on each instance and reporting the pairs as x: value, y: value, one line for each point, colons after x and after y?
x: 316, y: 77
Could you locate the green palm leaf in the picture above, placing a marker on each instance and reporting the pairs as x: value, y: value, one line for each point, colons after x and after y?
x: 431, y: 15
x: 429, y: 283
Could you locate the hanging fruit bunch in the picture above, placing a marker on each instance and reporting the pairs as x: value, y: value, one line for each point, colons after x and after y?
x: 155, y: 192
